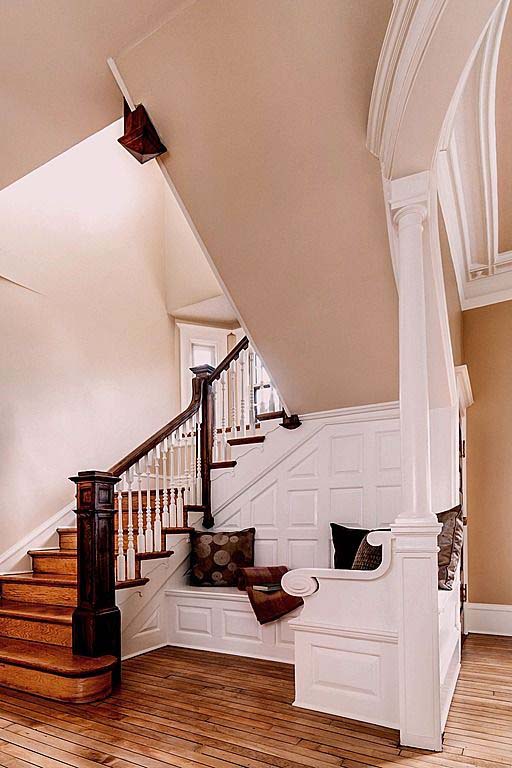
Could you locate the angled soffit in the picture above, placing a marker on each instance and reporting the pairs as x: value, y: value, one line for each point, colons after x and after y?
x: 467, y: 172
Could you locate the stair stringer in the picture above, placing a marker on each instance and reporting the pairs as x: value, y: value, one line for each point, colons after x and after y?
x: 143, y: 610
x: 16, y: 558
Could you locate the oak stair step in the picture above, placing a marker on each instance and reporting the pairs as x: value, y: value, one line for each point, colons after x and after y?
x: 247, y: 440
x: 54, y: 672
x: 32, y: 621
x: 54, y: 560
x: 222, y: 464
x: 45, y: 588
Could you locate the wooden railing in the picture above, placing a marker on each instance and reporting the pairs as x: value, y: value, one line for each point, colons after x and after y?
x: 155, y: 486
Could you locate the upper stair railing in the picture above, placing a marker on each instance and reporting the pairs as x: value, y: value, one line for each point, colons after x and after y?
x: 155, y: 486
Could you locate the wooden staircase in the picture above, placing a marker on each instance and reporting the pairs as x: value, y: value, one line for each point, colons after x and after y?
x: 60, y: 628
x: 36, y: 610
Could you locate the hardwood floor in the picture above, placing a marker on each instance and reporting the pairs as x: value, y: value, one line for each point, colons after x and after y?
x: 192, y: 709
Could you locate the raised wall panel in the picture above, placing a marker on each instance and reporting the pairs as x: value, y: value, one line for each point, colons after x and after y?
x: 388, y: 498
x: 302, y: 553
x: 194, y: 619
x: 388, y: 450
x: 265, y: 551
x: 346, y: 506
x: 303, y: 508
x: 307, y: 467
x: 263, y: 508
x: 346, y: 454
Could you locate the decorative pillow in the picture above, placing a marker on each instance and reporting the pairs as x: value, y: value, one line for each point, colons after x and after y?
x: 346, y: 542
x: 450, y: 546
x: 217, y: 556
x: 368, y: 557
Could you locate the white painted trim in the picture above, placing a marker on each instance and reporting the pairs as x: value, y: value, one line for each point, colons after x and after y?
x: 232, y: 653
x: 464, y: 387
x: 381, y: 636
x: 209, y: 593
x: 146, y: 650
x: 374, y: 411
x: 496, y: 297
x: 488, y: 619
x: 36, y: 538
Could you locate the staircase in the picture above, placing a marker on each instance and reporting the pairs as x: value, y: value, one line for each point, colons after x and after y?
x: 60, y: 630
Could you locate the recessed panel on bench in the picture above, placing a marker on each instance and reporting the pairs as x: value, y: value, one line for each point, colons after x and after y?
x: 240, y: 624
x: 348, y: 671
x: 194, y: 619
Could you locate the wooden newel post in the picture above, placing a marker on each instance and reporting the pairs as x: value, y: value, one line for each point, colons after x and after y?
x: 202, y: 374
x: 96, y: 619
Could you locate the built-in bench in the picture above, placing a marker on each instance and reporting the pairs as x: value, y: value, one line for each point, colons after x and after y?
x: 221, y: 619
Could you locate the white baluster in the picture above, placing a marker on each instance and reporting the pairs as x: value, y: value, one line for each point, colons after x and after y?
x: 272, y: 404
x: 149, y: 527
x: 130, y: 550
x: 217, y: 437
x: 172, y: 483
x: 252, y: 409
x: 199, y: 481
x: 141, y: 540
x: 241, y: 386
x: 192, y: 462
x: 232, y: 377
x: 121, y: 560
x: 166, y: 520
x: 225, y: 447
x: 186, y: 459
x: 157, y: 538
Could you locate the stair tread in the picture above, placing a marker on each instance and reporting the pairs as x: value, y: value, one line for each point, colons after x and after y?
x: 154, y: 555
x: 52, y: 658
x: 247, y: 440
x: 56, y: 614
x: 53, y: 552
x: 49, y: 579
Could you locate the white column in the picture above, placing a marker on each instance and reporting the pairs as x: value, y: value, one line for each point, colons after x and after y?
x: 416, y: 528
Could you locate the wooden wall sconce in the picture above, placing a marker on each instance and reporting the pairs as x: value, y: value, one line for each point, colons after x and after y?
x: 140, y: 137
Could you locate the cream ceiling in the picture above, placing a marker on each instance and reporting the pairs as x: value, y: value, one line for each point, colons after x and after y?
x: 55, y: 86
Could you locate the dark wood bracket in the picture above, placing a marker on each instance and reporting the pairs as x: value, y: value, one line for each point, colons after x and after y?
x: 140, y: 138
x: 291, y: 422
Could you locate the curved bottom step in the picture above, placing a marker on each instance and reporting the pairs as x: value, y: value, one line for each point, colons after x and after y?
x: 54, y: 672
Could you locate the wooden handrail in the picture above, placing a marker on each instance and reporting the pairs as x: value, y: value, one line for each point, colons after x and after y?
x: 148, y: 445
x: 233, y: 355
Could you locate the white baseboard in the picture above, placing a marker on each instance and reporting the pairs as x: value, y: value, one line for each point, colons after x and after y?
x: 488, y: 619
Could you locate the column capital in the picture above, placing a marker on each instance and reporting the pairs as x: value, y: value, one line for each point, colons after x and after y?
x: 409, y: 192
x: 411, y: 214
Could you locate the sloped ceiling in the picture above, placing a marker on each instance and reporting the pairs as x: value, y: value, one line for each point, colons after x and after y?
x: 56, y: 87
x: 263, y: 106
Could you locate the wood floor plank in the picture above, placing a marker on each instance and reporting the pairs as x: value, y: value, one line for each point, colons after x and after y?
x: 182, y: 708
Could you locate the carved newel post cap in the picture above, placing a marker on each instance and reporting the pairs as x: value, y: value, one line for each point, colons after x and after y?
x: 95, y: 490
x: 202, y: 371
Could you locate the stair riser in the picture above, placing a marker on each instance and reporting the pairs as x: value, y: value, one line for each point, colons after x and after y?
x: 44, y: 564
x: 40, y: 593
x: 76, y: 690
x: 67, y: 540
x: 37, y: 631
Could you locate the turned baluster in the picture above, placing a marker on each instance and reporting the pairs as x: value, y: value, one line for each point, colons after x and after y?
x: 241, y: 386
x: 130, y: 551
x: 173, y: 520
x: 252, y: 409
x: 225, y: 447
x: 232, y: 378
x: 141, y: 540
x: 179, y: 480
x: 120, y: 560
x: 149, y: 528
x: 157, y: 533
x: 199, y: 489
x: 166, y: 521
x: 217, y: 434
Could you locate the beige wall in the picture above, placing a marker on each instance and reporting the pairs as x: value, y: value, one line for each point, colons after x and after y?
x: 488, y: 354
x: 87, y: 368
x: 263, y: 106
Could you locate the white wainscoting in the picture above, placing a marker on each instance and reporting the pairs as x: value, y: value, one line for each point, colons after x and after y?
x: 488, y: 619
x: 221, y: 619
x: 345, y: 469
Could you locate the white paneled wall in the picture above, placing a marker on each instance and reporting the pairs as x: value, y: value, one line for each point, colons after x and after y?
x: 344, y: 471
x: 341, y: 466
